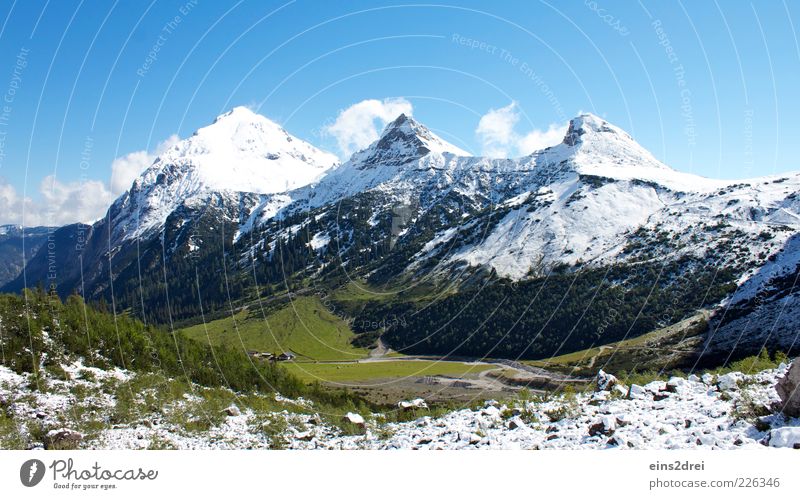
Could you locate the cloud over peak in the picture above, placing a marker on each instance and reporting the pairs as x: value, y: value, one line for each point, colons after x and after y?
x: 360, y: 124
x: 498, y: 137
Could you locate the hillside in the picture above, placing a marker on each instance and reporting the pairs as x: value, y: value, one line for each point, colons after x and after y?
x: 40, y: 334
x: 17, y: 245
x: 303, y: 327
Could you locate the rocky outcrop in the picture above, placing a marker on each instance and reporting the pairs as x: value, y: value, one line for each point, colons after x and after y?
x: 788, y: 389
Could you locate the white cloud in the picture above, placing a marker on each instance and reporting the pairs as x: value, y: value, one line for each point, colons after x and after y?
x: 499, y: 139
x: 496, y: 130
x: 359, y: 125
x: 64, y: 203
x: 125, y: 169
x: 540, y: 139
x: 60, y: 203
x: 10, y: 204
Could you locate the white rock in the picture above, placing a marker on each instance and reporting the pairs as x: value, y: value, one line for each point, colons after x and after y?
x: 492, y: 412
x: 788, y: 436
x: 353, y: 418
x: 620, y: 389
x: 676, y: 384
x: 412, y: 404
x: 636, y: 392
x: 655, y: 386
x: 729, y: 381
x: 598, y: 397
x: 606, y: 426
x: 605, y: 381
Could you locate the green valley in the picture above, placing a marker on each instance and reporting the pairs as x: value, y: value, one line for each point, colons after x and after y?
x: 303, y: 326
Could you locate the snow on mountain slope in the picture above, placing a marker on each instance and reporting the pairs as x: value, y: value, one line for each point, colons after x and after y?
x: 404, y: 160
x: 587, y: 197
x: 593, y: 146
x: 245, y: 152
x: 408, y: 170
x: 241, y: 152
x: 765, y: 308
x: 579, y: 224
x: 404, y: 140
x: 596, y: 198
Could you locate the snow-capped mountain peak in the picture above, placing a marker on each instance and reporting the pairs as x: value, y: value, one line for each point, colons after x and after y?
x: 240, y: 152
x: 245, y: 152
x: 593, y: 146
x: 595, y: 139
x: 404, y: 140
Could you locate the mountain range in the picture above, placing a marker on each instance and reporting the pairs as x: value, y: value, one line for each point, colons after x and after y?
x: 584, y: 243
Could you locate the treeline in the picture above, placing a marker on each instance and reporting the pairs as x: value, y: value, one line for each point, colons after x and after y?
x: 563, y: 312
x: 39, y: 331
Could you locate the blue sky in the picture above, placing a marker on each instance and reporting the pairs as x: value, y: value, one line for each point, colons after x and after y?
x: 708, y: 87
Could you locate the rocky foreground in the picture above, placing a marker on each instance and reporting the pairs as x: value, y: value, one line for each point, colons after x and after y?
x: 730, y: 411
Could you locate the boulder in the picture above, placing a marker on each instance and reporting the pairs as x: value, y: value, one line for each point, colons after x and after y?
x: 788, y: 436
x: 636, y: 392
x: 515, y: 423
x: 598, y: 398
x: 356, y: 419
x: 232, y: 410
x: 620, y: 390
x: 655, y: 386
x: 618, y: 441
x: 788, y: 389
x: 492, y: 412
x: 674, y: 384
x: 606, y: 426
x: 62, y: 439
x: 729, y: 381
x: 605, y: 381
